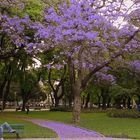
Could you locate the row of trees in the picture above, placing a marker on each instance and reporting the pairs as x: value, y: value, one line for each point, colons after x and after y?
x: 80, y: 44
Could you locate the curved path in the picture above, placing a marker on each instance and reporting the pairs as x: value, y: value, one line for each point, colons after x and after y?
x: 66, y: 131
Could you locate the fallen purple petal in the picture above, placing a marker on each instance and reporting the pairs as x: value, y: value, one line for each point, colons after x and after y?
x: 66, y: 131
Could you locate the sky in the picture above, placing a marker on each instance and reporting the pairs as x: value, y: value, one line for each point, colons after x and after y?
x: 121, y: 21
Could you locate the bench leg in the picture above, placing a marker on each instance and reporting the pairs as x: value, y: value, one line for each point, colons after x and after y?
x: 17, y: 135
x: 1, y: 132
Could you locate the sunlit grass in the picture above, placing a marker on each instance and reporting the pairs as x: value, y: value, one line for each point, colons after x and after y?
x: 100, y: 122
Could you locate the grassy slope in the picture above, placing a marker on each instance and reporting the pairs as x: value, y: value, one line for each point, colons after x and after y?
x: 100, y: 122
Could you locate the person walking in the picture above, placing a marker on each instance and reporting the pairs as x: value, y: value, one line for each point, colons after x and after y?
x: 27, y: 108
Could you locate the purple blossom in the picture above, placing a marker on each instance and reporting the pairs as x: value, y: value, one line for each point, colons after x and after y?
x: 65, y: 131
x: 92, y: 35
x: 90, y: 65
x: 73, y: 24
x: 76, y: 49
x: 15, y: 28
x: 4, y: 17
x: 48, y: 66
x: 134, y: 65
x: 58, y: 66
x: 105, y: 79
x: 75, y: 62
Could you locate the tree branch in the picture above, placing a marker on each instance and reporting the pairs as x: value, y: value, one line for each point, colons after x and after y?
x: 88, y: 77
x: 49, y: 80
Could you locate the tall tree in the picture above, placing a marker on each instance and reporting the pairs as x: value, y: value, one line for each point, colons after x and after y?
x: 87, y: 39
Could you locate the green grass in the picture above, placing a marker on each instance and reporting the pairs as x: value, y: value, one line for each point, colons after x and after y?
x: 100, y: 122
x: 30, y: 130
x: 116, y: 127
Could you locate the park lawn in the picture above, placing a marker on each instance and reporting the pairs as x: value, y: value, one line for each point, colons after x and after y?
x: 114, y: 127
x: 30, y: 130
x: 100, y: 122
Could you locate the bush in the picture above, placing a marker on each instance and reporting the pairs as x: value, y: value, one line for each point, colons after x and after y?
x: 95, y: 110
x: 61, y: 108
x: 124, y: 113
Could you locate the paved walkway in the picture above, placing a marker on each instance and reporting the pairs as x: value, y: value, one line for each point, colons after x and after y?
x: 69, y: 132
x: 70, y: 139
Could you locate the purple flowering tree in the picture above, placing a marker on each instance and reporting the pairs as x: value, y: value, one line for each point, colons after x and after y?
x: 104, y: 81
x: 15, y: 35
x: 84, y: 31
x: 16, y: 32
x: 134, y: 67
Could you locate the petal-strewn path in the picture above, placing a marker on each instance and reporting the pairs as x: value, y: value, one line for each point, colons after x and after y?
x: 65, y: 131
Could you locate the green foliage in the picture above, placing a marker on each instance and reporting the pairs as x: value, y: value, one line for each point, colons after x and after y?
x: 33, y: 8
x: 124, y: 114
x: 118, y: 90
x: 100, y: 122
x: 61, y: 108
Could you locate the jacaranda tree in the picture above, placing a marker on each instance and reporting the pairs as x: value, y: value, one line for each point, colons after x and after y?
x: 86, y: 35
x: 84, y: 31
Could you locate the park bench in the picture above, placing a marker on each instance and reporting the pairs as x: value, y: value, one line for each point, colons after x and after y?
x: 18, y: 127
x: 18, y: 108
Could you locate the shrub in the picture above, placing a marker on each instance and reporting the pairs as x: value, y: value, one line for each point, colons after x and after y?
x: 60, y: 108
x: 124, y: 113
x: 95, y: 110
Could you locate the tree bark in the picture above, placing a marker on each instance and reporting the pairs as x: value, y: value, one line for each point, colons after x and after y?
x: 77, y: 103
x: 7, y: 90
x: 129, y: 103
x: 124, y: 102
x: 56, y: 89
x: 99, y: 100
x: 108, y: 102
x: 87, y: 100
x: 104, y: 97
x: 52, y: 99
x: 56, y: 101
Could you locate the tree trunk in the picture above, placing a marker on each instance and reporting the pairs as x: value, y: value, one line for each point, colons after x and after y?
x: 23, y: 105
x: 108, y: 102
x: 56, y: 101
x: 52, y: 99
x: 2, y: 89
x: 118, y: 100
x: 25, y: 98
x: 124, y: 103
x: 129, y: 103
x: 138, y: 99
x: 83, y: 102
x: 77, y: 103
x: 87, y: 100
x: 7, y: 90
x: 104, y: 103
x: 99, y: 101
x: 71, y: 80
x: 70, y: 100
x: 104, y: 99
